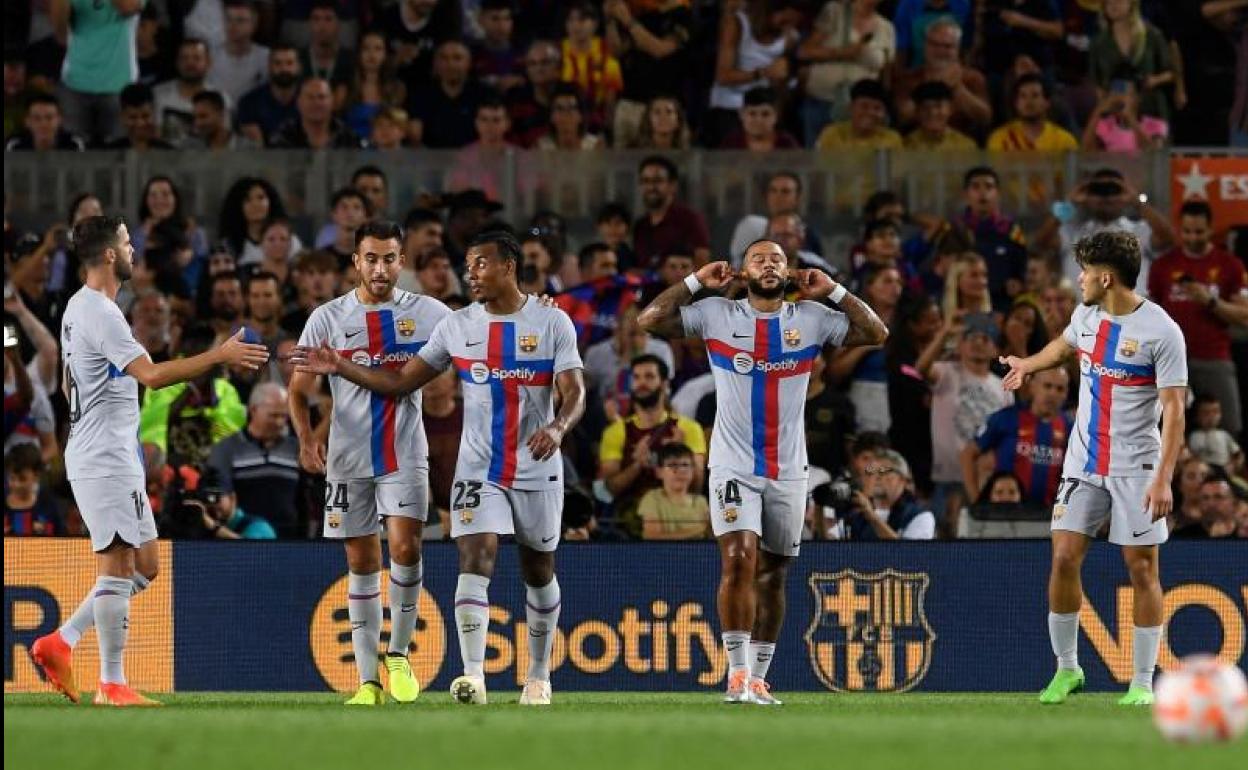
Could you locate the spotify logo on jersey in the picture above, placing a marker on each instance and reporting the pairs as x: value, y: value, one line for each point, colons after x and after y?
x: 479, y: 372
x: 361, y: 357
x: 742, y: 363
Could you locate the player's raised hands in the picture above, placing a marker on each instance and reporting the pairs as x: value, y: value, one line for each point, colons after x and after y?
x: 716, y: 275
x: 1018, y: 373
x: 322, y: 359
x: 814, y: 284
x: 235, y: 352
x: 545, y: 442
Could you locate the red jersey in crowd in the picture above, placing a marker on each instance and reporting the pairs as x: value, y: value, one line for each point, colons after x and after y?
x: 1208, y: 338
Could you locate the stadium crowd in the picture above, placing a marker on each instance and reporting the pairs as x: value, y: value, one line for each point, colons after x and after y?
x: 914, y: 439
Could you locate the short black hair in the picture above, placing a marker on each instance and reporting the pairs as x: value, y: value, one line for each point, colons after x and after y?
x: 585, y: 257
x: 264, y: 275
x: 381, y: 229
x: 878, y: 200
x: 613, y: 210
x: 759, y: 96
x: 490, y: 101
x: 932, y: 91
x: 213, y: 99
x: 194, y: 41
x: 658, y: 160
x: 136, y: 95
x: 39, y: 97
x: 683, y: 253
x: 650, y: 358
x: 369, y: 170
x: 1029, y: 79
x: 1197, y: 209
x: 787, y: 174
x: 23, y: 457
x: 869, y: 88
x: 419, y: 217
x: 95, y: 235
x: 350, y: 192
x: 324, y: 5
x: 876, y: 225
x: 673, y: 451
x: 1205, y: 398
x: 282, y: 46
x: 974, y: 172
x: 222, y: 278
x: 497, y: 5
x: 505, y: 244
x: 1116, y: 250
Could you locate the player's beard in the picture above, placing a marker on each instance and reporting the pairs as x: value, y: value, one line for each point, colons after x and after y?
x: 759, y: 290
x: 123, y: 270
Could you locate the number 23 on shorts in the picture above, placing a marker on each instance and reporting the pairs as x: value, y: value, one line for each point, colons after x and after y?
x: 465, y: 498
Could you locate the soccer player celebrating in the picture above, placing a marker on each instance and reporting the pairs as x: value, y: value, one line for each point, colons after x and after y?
x: 512, y: 354
x: 103, y: 364
x: 378, y: 456
x: 760, y: 350
x: 1118, y: 464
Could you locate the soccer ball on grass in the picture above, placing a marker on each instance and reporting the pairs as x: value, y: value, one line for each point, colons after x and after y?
x: 1202, y: 700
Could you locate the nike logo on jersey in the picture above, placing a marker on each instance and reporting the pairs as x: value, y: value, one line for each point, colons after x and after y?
x: 736, y: 336
x: 1087, y: 334
x: 406, y: 505
x: 349, y: 335
x: 798, y: 544
x: 1141, y: 534
x: 548, y: 539
x: 473, y: 344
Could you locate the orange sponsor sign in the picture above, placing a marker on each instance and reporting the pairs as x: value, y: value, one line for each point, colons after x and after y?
x: 1221, y: 182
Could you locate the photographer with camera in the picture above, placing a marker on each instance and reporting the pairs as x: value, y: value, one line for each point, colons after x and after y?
x: 202, y: 510
x: 882, y: 508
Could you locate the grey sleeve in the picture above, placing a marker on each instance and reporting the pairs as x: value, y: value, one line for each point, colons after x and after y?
x: 435, y: 352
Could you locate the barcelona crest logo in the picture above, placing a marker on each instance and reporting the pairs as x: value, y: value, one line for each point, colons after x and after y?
x: 528, y: 342
x: 792, y: 337
x: 868, y: 631
x: 1129, y: 347
x: 406, y: 326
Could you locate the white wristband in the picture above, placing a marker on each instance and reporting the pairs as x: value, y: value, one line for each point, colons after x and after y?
x: 838, y: 293
x: 693, y: 284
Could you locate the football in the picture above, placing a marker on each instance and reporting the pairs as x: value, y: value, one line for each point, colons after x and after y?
x: 1203, y: 700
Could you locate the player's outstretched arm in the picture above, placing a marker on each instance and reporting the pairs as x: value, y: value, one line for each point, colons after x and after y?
x: 1160, y: 497
x: 571, y: 387
x: 232, y: 352
x: 1052, y: 355
x: 325, y: 360
x: 662, y: 315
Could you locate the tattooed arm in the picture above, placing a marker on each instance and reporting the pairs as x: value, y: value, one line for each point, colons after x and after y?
x: 662, y: 316
x: 865, y: 327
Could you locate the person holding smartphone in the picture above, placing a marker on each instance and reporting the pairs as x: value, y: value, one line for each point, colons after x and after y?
x: 1116, y: 124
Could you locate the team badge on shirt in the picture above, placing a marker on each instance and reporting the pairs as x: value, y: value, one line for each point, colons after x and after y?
x: 528, y: 343
x: 792, y: 337
x: 334, y: 520
x: 406, y: 326
x: 1129, y: 347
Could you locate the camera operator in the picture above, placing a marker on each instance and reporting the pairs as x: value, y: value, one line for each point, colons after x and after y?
x: 202, y: 510
x: 884, y: 508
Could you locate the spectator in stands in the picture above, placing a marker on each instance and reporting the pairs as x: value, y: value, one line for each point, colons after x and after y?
x: 673, y: 511
x: 1203, y: 287
x: 588, y: 63
x: 1031, y: 130
x: 994, y: 235
x: 259, y: 465
x: 250, y: 203
x: 43, y: 128
x: 239, y: 64
x: 315, y: 128
x: 442, y: 410
x: 138, y: 119
x: 370, y: 182
x: 913, y: 19
x: 161, y: 207
x: 568, y: 122
x: 885, y: 509
x: 650, y: 46
x: 28, y: 508
x: 221, y: 518
x: 480, y: 163
x: 29, y: 418
x: 667, y: 225
x: 538, y: 266
x: 422, y: 233
x: 1001, y: 488
x: 16, y: 89
x: 325, y: 58
x: 264, y: 310
x: 881, y: 247
x: 1211, y: 443
x: 966, y: 287
x: 1023, y: 332
x: 153, y: 47
x: 415, y: 28
x: 316, y: 282
x: 174, y: 106
x: 756, y: 130
x: 1131, y: 49
x: 867, y: 125
x: 497, y: 62
x: 1030, y: 28
x: 225, y: 300
x: 750, y: 53
x: 19, y: 391
x: 970, y: 108
x: 437, y: 278
x: 151, y: 322
x: 186, y: 419
x: 443, y: 111
x: 374, y: 86
x: 529, y: 104
x: 613, y: 225
x: 99, y: 61
x: 933, y: 107
x: 211, y: 128
x: 1099, y: 204
x: 850, y: 42
x: 964, y: 393
x: 1116, y: 124
x: 609, y: 363
x: 627, y: 457
x: 1217, y: 512
x: 1028, y: 440
x: 265, y: 108
x: 389, y: 129
x: 467, y: 213
x: 662, y: 126
x: 790, y: 231
x: 830, y: 420
x: 348, y: 211
x: 864, y: 367
x: 782, y: 195
x: 909, y: 395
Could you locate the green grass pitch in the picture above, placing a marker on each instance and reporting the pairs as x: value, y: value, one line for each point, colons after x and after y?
x: 592, y: 731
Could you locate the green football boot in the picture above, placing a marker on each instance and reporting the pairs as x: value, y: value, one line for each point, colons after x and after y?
x: 1065, y: 682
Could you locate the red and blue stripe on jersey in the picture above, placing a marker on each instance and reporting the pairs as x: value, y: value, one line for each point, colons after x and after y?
x: 1030, y: 447
x: 1105, y: 373
x: 765, y: 385
x: 506, y: 375
x: 385, y: 350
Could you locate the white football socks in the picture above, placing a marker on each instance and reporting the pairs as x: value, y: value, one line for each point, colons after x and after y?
x: 404, y: 600
x: 1064, y: 636
x: 542, y: 613
x: 364, y: 611
x: 1145, y: 643
x: 111, y: 607
x: 737, y: 645
x: 761, y: 654
x: 80, y: 622
x: 472, y: 619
